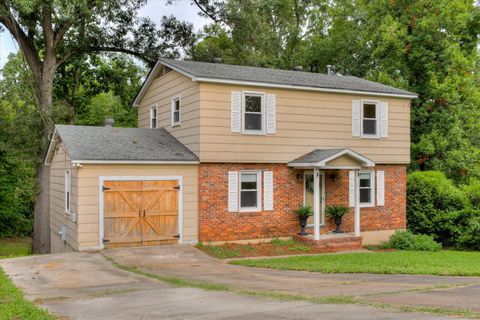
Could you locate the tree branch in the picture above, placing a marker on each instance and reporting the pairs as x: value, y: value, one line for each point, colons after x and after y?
x: 73, y: 53
x: 208, y: 14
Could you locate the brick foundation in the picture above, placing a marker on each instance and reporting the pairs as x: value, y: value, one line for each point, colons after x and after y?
x: 217, y: 224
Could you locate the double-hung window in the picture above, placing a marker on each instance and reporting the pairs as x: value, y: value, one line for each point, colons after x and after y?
x: 67, y: 191
x: 370, y: 119
x: 250, y: 191
x: 176, y: 111
x: 366, y: 188
x: 253, y: 113
x: 153, y: 117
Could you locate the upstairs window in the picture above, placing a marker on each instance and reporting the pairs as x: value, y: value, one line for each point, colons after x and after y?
x: 153, y: 117
x: 176, y: 111
x: 369, y: 119
x: 253, y: 113
x: 250, y: 191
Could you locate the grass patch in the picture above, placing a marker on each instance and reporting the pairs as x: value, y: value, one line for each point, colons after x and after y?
x: 13, y: 306
x: 15, y: 247
x: 171, y: 280
x: 442, y: 263
x: 222, y: 252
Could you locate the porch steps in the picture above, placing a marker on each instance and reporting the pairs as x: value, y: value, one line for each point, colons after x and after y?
x: 333, y: 242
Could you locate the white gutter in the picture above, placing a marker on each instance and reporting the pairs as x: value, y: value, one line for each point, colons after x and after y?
x: 132, y: 162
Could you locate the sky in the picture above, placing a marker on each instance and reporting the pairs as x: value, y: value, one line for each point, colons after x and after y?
x: 154, y: 9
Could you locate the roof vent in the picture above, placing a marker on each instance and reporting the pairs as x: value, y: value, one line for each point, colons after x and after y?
x: 109, y: 122
x: 298, y: 68
x: 217, y: 60
x: 329, y: 69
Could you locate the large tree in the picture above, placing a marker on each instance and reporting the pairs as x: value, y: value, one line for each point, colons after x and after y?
x: 51, y: 32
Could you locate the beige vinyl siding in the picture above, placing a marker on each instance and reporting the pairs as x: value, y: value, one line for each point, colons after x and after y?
x: 160, y: 93
x: 305, y: 120
x: 58, y: 217
x: 88, y: 195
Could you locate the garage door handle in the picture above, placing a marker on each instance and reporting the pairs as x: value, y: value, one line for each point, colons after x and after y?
x: 139, y: 213
x: 144, y: 212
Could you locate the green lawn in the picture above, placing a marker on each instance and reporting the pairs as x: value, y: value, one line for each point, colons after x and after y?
x: 15, y: 247
x: 442, y: 263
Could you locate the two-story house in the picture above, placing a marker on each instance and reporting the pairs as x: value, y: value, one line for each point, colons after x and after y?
x: 227, y: 153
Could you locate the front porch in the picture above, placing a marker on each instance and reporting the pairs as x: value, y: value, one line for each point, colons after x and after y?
x: 328, y: 164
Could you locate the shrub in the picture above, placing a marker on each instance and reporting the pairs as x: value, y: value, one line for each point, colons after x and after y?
x: 470, y: 237
x: 429, y: 196
x: 450, y: 226
x: 304, y: 211
x: 472, y: 191
x: 405, y: 240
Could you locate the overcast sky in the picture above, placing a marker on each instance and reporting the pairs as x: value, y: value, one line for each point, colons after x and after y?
x: 154, y: 9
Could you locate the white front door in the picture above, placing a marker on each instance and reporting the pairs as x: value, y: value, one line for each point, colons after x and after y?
x: 308, y: 195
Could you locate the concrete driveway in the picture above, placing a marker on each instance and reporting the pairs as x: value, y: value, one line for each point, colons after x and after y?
x: 87, y: 286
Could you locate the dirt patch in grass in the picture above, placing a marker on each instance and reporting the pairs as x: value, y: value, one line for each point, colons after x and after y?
x: 276, y: 247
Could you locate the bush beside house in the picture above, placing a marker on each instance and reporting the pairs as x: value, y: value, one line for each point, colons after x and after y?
x: 439, y: 208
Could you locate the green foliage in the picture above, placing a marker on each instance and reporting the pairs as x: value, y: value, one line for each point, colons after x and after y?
x: 304, y: 211
x: 336, y: 211
x: 472, y: 191
x: 15, y: 247
x: 106, y: 105
x: 429, y: 195
x: 470, y: 236
x: 405, y: 240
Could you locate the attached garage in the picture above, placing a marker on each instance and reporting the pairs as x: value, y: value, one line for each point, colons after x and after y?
x: 124, y: 187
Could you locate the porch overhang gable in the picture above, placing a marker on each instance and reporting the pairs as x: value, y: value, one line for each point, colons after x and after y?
x: 329, y: 159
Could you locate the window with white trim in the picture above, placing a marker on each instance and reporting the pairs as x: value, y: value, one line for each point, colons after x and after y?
x: 153, y: 117
x: 176, y: 120
x: 369, y: 119
x: 67, y: 191
x: 253, y: 112
x: 366, y: 188
x: 250, y: 191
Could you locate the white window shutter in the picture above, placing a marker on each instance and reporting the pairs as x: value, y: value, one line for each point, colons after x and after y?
x: 268, y: 190
x: 236, y: 111
x: 356, y: 118
x: 271, y: 116
x: 233, y: 191
x: 380, y: 188
x: 384, y: 119
x: 351, y: 188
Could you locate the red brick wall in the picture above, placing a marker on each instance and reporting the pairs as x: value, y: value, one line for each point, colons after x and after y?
x: 217, y: 224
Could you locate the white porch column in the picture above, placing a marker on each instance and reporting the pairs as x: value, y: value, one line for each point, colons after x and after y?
x: 356, y: 216
x: 316, y: 204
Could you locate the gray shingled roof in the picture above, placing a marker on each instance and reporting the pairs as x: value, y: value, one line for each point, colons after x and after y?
x: 133, y: 144
x: 281, y: 77
x: 317, y: 155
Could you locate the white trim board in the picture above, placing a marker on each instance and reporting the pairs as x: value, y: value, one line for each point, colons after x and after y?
x: 132, y: 162
x: 153, y: 73
x: 102, y: 179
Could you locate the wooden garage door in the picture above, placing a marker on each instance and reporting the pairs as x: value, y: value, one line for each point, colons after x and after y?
x: 140, y: 213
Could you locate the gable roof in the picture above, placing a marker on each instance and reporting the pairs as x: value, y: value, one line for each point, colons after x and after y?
x: 244, y: 75
x: 320, y: 158
x: 100, y: 144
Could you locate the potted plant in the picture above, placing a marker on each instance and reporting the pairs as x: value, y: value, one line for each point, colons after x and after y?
x: 303, y: 213
x: 337, y: 212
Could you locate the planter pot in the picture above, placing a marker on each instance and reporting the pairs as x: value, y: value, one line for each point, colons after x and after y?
x: 338, y: 222
x: 303, y: 223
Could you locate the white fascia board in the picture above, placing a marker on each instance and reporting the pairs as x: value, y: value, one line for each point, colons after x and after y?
x: 51, y: 144
x: 366, y: 162
x: 132, y: 162
x: 295, y: 87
